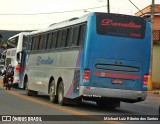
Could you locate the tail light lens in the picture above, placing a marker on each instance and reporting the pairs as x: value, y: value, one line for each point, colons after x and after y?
x: 86, y: 75
x: 17, y: 68
x: 145, y: 80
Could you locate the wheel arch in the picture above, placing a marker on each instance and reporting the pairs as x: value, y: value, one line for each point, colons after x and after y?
x: 26, y: 77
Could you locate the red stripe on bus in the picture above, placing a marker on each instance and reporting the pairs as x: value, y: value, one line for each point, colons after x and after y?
x: 72, y: 85
x: 116, y: 75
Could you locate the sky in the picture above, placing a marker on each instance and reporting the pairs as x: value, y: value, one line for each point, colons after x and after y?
x: 38, y: 14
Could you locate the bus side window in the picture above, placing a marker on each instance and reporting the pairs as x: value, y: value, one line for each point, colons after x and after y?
x: 75, y: 36
x: 41, y: 42
x: 32, y: 43
x: 16, y: 41
x: 69, y: 37
x: 63, y: 38
x: 49, y: 41
x: 82, y: 35
x: 54, y: 39
x: 28, y: 43
x: 59, y: 39
x: 24, y: 43
x: 45, y: 37
x: 36, y: 43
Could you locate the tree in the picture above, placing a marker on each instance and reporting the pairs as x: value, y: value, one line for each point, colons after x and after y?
x: 3, y: 43
x: 1, y: 36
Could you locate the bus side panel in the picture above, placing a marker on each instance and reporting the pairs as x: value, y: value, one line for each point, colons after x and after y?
x: 73, y: 84
x: 40, y: 72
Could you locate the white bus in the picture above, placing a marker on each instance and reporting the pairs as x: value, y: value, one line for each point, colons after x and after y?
x: 16, y: 42
x: 93, y: 58
x: 11, y: 57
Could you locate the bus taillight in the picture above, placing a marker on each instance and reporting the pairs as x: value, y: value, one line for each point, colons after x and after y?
x: 145, y: 80
x: 86, y: 75
x: 17, y: 68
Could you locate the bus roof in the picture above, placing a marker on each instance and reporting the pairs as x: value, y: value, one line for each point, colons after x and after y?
x: 68, y: 22
x: 13, y: 40
x: 22, y: 33
x: 62, y: 24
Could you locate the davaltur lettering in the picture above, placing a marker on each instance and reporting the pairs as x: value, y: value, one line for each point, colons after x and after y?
x: 106, y: 22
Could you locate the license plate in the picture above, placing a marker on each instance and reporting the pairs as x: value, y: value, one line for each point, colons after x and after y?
x: 117, y: 81
x: 9, y: 82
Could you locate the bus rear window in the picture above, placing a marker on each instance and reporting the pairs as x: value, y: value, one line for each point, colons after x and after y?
x: 120, y: 25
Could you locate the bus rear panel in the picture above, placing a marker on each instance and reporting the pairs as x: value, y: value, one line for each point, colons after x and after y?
x: 116, y: 57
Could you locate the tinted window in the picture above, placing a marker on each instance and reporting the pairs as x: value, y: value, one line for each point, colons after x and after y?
x: 120, y: 25
x: 75, y: 35
x: 64, y: 36
x: 59, y: 39
x: 49, y: 41
x: 54, y: 39
x: 82, y: 34
x: 44, y: 41
x: 36, y: 42
x: 41, y: 42
x: 32, y: 43
x: 69, y: 37
x: 13, y: 42
x: 25, y: 41
x: 16, y: 41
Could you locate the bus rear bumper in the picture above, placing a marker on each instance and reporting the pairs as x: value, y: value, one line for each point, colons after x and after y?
x: 120, y: 94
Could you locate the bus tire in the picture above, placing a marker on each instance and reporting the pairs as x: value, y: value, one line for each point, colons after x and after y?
x: 28, y: 92
x: 52, y: 96
x: 61, y: 93
x: 78, y: 102
x: 25, y: 84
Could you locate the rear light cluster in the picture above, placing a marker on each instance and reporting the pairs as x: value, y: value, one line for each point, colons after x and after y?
x: 86, y: 75
x: 145, y: 80
x: 17, y: 68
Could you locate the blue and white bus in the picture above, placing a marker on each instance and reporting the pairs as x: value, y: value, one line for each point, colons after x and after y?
x: 17, y: 45
x: 99, y: 57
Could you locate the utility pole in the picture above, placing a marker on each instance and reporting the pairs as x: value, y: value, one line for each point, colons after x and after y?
x: 108, y: 6
x: 151, y: 65
x: 152, y: 23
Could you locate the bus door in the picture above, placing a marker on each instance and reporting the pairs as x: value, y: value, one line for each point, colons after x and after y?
x: 22, y: 65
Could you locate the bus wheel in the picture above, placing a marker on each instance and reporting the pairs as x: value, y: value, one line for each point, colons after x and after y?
x: 52, y: 96
x: 78, y: 102
x: 25, y: 84
x: 61, y: 93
